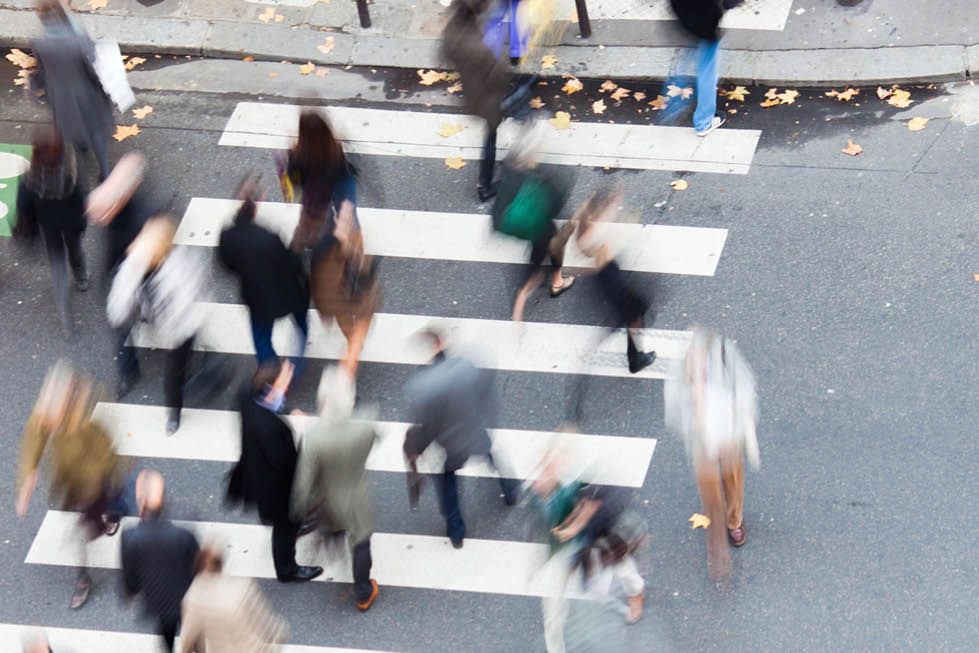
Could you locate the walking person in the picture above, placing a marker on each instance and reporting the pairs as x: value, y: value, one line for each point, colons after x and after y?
x: 51, y: 199
x: 494, y: 32
x: 87, y: 475
x: 157, y: 558
x: 161, y: 286
x: 264, y: 474
x: 273, y: 281
x: 702, y: 19
x: 331, y: 476
x: 225, y: 614
x: 72, y: 88
x: 710, y: 400
x: 453, y: 402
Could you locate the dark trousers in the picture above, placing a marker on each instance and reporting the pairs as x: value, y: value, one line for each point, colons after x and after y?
x: 448, y: 487
x: 362, y: 570
x: 262, y: 334
x: 56, y: 243
x: 125, y: 355
x: 100, y: 150
x: 168, y: 631
x: 284, y: 548
x: 489, y: 158
x: 175, y: 374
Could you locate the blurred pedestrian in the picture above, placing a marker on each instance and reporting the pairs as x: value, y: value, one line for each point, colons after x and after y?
x: 51, y: 199
x: 273, y: 281
x: 710, y: 400
x: 225, y: 614
x: 264, y: 474
x: 702, y: 19
x: 331, y: 476
x: 157, y: 558
x: 87, y: 474
x: 161, y: 286
x: 494, y: 32
x: 628, y: 305
x: 67, y: 74
x: 454, y: 402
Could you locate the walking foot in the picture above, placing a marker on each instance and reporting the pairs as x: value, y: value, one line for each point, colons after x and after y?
x: 173, y: 421
x: 715, y: 122
x: 737, y: 535
x: 566, y: 283
x: 365, y: 605
x: 640, y: 362
x: 82, y: 587
x: 635, y: 608
x: 302, y: 575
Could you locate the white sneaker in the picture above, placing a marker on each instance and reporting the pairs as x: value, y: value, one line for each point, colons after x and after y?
x: 715, y: 122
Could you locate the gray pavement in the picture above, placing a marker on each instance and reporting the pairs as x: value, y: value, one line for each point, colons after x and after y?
x: 823, y: 42
x: 848, y: 281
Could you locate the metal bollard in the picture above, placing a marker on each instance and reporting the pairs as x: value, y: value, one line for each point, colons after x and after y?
x: 365, y: 17
x: 584, y: 24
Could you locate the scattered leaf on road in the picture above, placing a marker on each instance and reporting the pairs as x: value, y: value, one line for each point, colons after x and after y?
x: 598, y: 107
x: 883, y: 92
x: 248, y: 57
x: 450, y: 77
x: 449, y: 130
x: 429, y: 77
x: 900, y: 99
x: 142, y: 112
x: 788, y: 97
x: 699, y: 521
x: 844, y: 96
x: 659, y: 103
x: 573, y: 85
x: 975, y: 277
x: 273, y: 74
x: 561, y: 120
x: 679, y: 184
x: 94, y: 5
x: 771, y: 93
x: 607, y: 85
x: 737, y: 94
x: 851, y: 148
x: 620, y: 93
x: 536, y: 103
x: 327, y: 46
x: 455, y: 88
x: 307, y: 68
x: 269, y: 15
x: 455, y: 162
x: 22, y: 76
x: 548, y: 61
x: 917, y: 124
x: 133, y: 62
x: 770, y: 103
x: 674, y: 91
x: 638, y: 96
x: 123, y: 132
x: 21, y: 59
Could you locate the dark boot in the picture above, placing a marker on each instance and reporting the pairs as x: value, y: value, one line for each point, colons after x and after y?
x: 173, y: 420
x: 638, y: 360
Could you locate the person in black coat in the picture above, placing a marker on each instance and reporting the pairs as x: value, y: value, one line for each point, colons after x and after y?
x: 264, y: 473
x: 273, y: 281
x: 157, y: 557
x: 701, y: 18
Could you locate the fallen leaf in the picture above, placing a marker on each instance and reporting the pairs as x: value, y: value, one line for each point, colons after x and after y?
x: 123, y: 132
x: 142, y: 112
x: 851, y: 148
x: 620, y: 94
x: 449, y: 130
x: 659, y: 103
x: 248, y: 58
x: 22, y: 76
x: 917, y: 124
x: 900, y: 99
x: 450, y: 77
x: 561, y: 120
x: 273, y: 74
x: 573, y: 85
x: 845, y: 96
x: 322, y: 72
x: 429, y: 77
x: 21, y: 59
x: 674, y: 91
x: 133, y: 62
x: 455, y: 162
x: 455, y: 88
x: 679, y: 184
x: 770, y: 103
x: 638, y: 96
x: 608, y: 85
x: 788, y: 97
x: 883, y: 92
x: 598, y: 107
x: 732, y: 110
x: 975, y: 277
x: 307, y: 68
x: 278, y: 19
x: 536, y: 103
x: 97, y: 4
x: 737, y: 94
x: 771, y: 93
x: 548, y: 61
x: 327, y: 46
x: 267, y: 15
x: 699, y: 521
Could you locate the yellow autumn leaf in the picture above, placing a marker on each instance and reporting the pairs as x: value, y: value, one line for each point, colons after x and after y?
x: 771, y: 93
x: 267, y: 15
x: 307, y: 68
x: 900, y: 99
x: 679, y: 184
x: 607, y: 85
x: 273, y: 74
x: 248, y: 57
x: 21, y: 59
x: 455, y: 162
x: 882, y: 92
x: 22, y: 76
x: 638, y: 96
x: 620, y: 93
x: 788, y: 97
x: 917, y: 124
x: 450, y: 77
x: 133, y: 62
x: 674, y: 91
x: 975, y: 277
x: 699, y: 521
x: 770, y: 103
x: 142, y: 112
x: 548, y: 61
x: 536, y: 103
x: 449, y: 130
x: 737, y: 94
x: 598, y: 107
x: 123, y: 132
x: 94, y: 5
x: 851, y: 148
x: 845, y: 96
x: 455, y: 88
x: 429, y: 77
x: 659, y: 103
x: 573, y: 85
x: 327, y: 46
x: 561, y: 120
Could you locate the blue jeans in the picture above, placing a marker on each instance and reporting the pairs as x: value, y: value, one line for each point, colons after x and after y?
x: 706, y: 84
x: 448, y: 491
x: 262, y: 335
x: 493, y: 30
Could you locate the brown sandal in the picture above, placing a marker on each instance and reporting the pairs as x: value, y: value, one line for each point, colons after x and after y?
x: 568, y: 281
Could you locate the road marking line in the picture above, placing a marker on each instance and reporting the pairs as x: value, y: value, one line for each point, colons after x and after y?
x: 753, y: 14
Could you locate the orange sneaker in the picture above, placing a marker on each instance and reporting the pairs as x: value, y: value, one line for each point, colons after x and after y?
x: 364, y: 606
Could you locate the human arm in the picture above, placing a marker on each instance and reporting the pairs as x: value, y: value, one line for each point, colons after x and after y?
x: 32, y: 447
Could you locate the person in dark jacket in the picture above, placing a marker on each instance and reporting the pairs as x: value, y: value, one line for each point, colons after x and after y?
x: 702, y: 18
x: 264, y: 473
x: 51, y: 199
x: 273, y: 281
x: 157, y: 557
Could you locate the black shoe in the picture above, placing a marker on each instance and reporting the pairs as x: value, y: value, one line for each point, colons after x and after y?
x: 731, y: 4
x: 126, y: 384
x: 173, y: 421
x: 486, y: 193
x: 82, y: 587
x: 456, y: 544
x: 81, y: 280
x: 302, y: 575
x: 639, y: 362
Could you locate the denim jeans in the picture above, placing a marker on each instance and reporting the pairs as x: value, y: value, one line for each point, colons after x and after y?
x: 706, y: 84
x: 493, y: 30
x: 448, y: 491
x: 262, y: 335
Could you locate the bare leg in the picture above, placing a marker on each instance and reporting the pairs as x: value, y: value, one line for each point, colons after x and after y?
x: 532, y: 282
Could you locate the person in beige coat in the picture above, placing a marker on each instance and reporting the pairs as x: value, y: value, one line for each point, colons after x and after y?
x: 227, y: 614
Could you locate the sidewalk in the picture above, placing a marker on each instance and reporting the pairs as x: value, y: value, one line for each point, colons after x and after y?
x: 776, y: 42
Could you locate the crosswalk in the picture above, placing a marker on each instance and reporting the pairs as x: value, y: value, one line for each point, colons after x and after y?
x: 503, y: 564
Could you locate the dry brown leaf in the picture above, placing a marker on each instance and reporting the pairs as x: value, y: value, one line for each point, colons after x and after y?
x: 267, y: 15
x: 659, y: 103
x: 771, y: 93
x: 561, y: 120
x: 679, y: 184
x: 770, y: 103
x: 699, y: 521
x: 449, y: 130
x: 638, y: 96
x: 737, y: 94
x: 133, y: 62
x: 450, y: 77
x: 273, y: 74
x: 22, y: 76
x: 537, y: 103
x: 732, y: 111
x: 882, y: 93
x: 327, y: 46
x: 278, y: 19
x: 429, y: 77
x: 307, y: 68
x: 900, y: 99
x: 598, y: 107
x: 322, y: 72
x: 620, y: 93
x: 788, y: 97
x: 917, y: 124
x: 21, y: 59
x: 573, y: 85
x: 851, y: 148
x: 548, y: 61
x: 123, y: 132
x: 94, y: 5
x: 607, y: 85
x: 142, y: 112
x: 844, y: 96
x: 248, y: 57
x: 455, y: 88
x: 455, y: 162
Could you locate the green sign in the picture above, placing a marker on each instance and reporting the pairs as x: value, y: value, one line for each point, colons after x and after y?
x: 14, y: 161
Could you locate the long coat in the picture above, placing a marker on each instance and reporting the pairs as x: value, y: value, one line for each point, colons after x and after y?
x: 223, y: 614
x: 483, y: 75
x: 700, y: 17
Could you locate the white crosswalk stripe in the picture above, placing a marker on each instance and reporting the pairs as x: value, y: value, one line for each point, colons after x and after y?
x: 469, y: 237
x: 754, y: 14
x: 416, y: 134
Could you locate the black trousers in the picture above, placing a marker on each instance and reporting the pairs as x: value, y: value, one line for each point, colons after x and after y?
x: 168, y: 631
x: 362, y: 563
x: 56, y: 243
x: 284, y: 535
x: 489, y: 158
x: 125, y: 355
x: 175, y: 374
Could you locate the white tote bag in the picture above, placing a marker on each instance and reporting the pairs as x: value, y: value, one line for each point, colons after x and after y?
x: 112, y: 74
